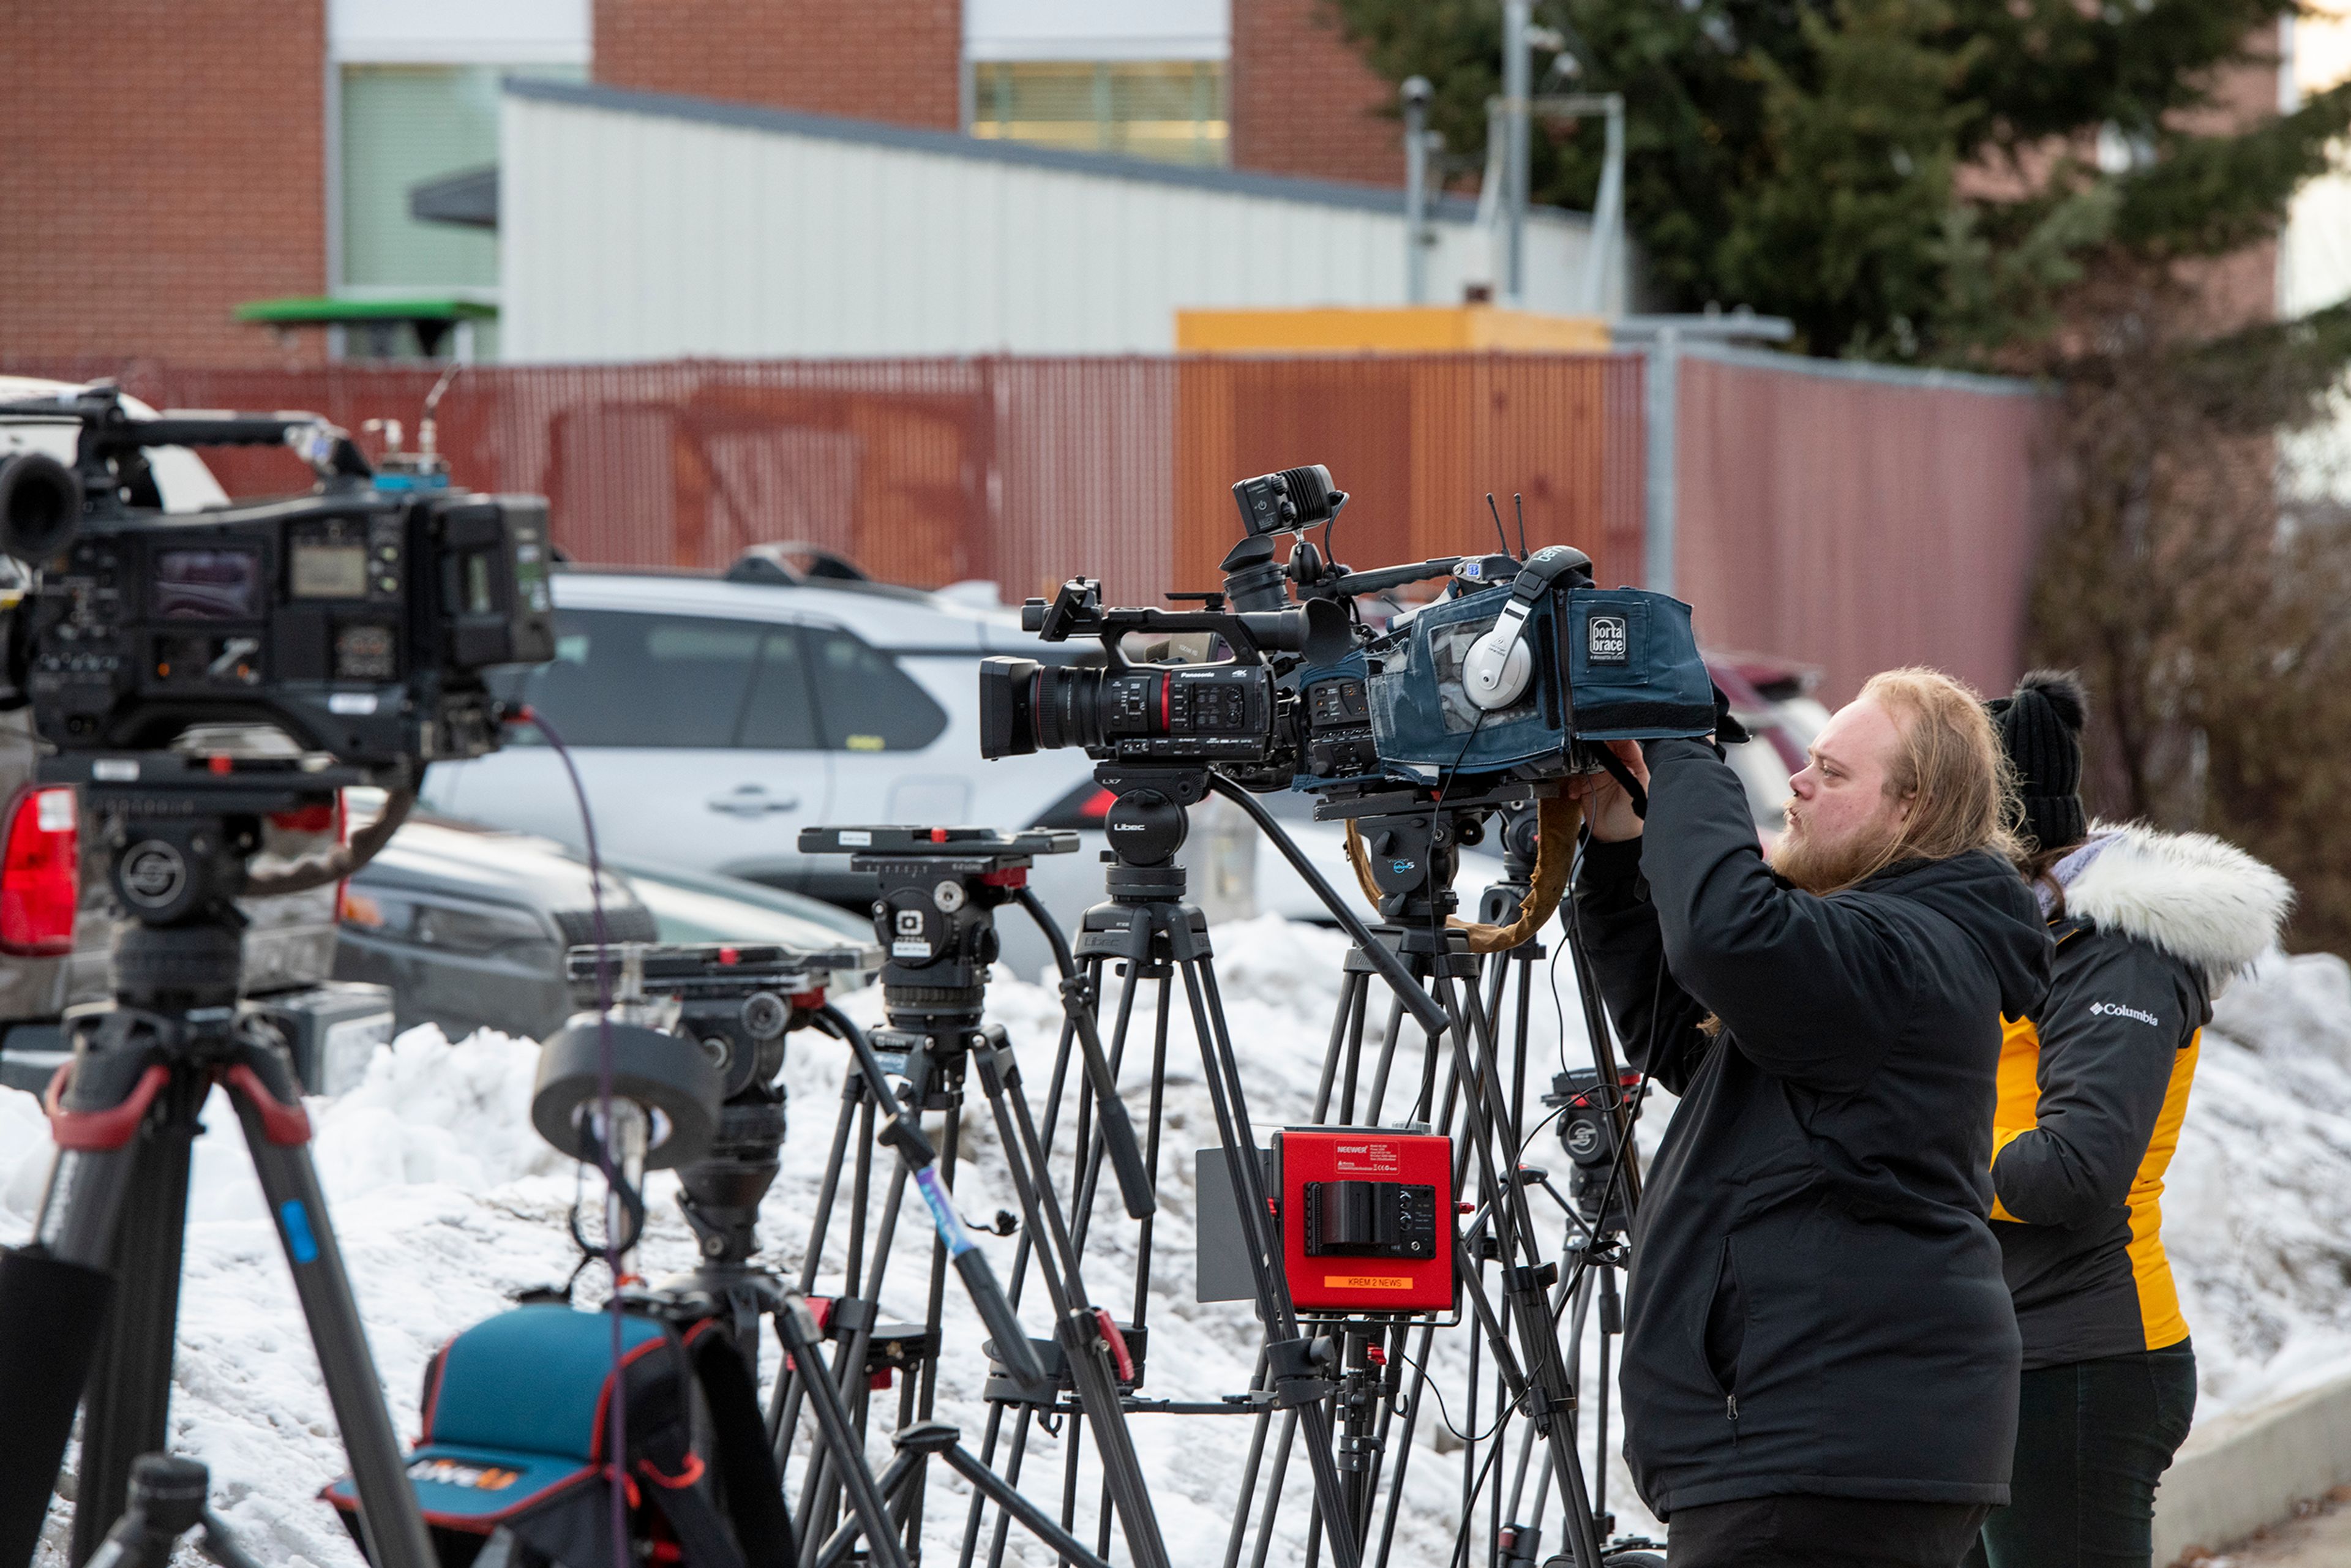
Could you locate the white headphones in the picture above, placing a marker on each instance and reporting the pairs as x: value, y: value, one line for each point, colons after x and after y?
x: 1494, y: 673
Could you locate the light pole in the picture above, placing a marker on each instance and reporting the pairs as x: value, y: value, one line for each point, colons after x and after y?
x: 1421, y: 146
x: 1516, y: 90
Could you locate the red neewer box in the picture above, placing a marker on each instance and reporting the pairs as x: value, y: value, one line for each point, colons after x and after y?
x: 1367, y: 1221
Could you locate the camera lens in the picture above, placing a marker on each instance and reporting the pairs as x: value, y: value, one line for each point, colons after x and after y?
x: 1068, y: 707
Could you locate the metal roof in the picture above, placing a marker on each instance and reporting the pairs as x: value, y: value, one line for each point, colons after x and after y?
x: 951, y: 144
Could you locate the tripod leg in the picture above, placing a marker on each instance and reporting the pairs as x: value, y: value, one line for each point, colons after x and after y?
x: 784, y: 1405
x: 1273, y: 1493
x: 218, y: 1544
x: 1403, y: 1449
x: 1348, y: 984
x: 892, y: 1486
x: 1258, y: 1425
x: 1036, y: 1519
x: 277, y: 1134
x: 1222, y: 1071
x: 126, y: 1403
x: 798, y: 1327
x: 1084, y: 1351
x: 132, y: 1542
x: 1012, y: 1468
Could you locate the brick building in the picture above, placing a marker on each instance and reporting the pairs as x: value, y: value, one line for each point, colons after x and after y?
x: 162, y: 162
x: 197, y: 155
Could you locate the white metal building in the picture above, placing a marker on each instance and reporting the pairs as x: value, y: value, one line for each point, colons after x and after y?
x: 639, y: 225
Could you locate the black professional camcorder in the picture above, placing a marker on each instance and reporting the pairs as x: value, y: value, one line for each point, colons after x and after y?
x: 1520, y: 668
x: 358, y: 618
x: 1233, y: 713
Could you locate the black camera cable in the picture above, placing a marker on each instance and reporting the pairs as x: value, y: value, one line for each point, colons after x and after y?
x: 615, y: 1183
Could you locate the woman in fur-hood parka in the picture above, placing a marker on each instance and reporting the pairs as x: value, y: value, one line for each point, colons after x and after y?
x: 2150, y: 927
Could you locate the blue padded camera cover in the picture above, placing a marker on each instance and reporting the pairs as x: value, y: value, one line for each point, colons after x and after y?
x: 1421, y: 719
x: 1618, y: 663
x: 514, y: 1413
x: 1632, y: 667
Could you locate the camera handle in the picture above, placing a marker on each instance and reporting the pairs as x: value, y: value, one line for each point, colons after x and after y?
x: 1424, y: 1008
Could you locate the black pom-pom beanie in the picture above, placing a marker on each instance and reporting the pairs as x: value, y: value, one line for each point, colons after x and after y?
x: 2041, y: 729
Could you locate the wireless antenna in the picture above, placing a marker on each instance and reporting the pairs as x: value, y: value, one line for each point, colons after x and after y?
x: 1499, y: 532
x: 1518, y: 505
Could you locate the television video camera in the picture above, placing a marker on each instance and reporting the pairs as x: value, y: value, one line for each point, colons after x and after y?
x: 1234, y: 712
x: 1518, y: 669
x: 358, y: 618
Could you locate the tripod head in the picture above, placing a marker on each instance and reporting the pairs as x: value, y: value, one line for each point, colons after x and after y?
x: 179, y: 834
x: 937, y: 892
x: 1589, y: 1110
x: 738, y: 1007
x: 1411, y: 841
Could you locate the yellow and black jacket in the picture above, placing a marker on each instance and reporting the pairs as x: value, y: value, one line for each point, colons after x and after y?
x: 2093, y: 1085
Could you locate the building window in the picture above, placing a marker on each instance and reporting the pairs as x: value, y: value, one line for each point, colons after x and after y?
x: 403, y: 126
x: 1173, y: 110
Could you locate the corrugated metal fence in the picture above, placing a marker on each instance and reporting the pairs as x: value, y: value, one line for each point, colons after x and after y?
x: 1848, y: 517
x: 1857, y: 518
x: 1022, y: 470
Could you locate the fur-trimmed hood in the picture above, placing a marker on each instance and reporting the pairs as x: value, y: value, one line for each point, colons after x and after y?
x: 2201, y: 901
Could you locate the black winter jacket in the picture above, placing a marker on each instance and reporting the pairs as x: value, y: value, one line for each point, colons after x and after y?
x: 1816, y: 1303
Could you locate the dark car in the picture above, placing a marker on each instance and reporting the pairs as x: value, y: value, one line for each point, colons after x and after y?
x: 468, y: 926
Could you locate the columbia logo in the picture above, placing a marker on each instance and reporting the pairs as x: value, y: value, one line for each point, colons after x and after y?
x: 2116, y: 1010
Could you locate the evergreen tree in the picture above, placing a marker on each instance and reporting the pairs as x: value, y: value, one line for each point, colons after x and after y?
x: 1923, y: 180
x: 2043, y: 186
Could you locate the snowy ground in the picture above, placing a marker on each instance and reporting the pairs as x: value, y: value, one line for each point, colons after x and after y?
x: 445, y: 1204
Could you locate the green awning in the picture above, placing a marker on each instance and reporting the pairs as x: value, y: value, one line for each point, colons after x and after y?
x: 321, y: 310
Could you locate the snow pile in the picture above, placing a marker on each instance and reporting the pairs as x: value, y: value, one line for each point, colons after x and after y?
x: 446, y: 1203
x: 2257, y: 1214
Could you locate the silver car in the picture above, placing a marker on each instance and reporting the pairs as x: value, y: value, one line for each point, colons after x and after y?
x: 712, y: 719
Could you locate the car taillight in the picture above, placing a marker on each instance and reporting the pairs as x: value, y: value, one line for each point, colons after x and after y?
x: 40, y: 878
x: 1087, y: 806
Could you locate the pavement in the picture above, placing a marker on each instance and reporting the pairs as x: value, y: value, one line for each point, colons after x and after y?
x: 2320, y: 1537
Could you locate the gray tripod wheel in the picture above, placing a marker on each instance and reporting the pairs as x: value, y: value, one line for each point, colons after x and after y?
x: 658, y: 1071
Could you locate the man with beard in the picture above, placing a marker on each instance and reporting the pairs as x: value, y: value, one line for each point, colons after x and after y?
x: 1820, y: 1356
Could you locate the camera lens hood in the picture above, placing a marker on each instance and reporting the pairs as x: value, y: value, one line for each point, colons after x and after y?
x: 40, y: 506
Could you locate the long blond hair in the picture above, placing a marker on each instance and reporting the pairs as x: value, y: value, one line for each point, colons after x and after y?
x: 1949, y: 765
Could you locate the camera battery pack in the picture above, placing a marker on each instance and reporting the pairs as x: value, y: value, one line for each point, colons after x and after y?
x: 1367, y: 1219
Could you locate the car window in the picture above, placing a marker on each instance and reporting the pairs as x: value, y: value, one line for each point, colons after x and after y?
x: 628, y: 679
x: 867, y: 702
x: 782, y: 713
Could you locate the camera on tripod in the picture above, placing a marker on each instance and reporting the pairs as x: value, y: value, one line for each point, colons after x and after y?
x: 357, y: 619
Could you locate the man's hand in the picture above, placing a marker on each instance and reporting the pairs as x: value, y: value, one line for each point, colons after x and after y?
x: 1607, y: 808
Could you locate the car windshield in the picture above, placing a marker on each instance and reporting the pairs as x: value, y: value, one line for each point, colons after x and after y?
x: 687, y: 915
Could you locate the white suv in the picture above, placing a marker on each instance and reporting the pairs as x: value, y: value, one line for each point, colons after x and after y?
x: 713, y: 718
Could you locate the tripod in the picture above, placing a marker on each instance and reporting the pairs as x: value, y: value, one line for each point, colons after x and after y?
x: 938, y: 891
x: 1414, y: 842
x: 1146, y: 927
x: 1592, y: 1116
x: 107, y: 1246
